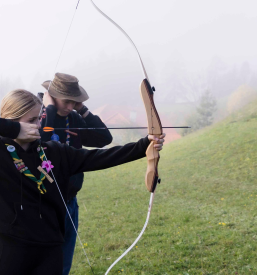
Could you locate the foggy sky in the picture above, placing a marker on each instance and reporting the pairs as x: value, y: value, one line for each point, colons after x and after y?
x: 166, y: 32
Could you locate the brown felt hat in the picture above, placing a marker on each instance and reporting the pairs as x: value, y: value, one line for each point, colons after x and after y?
x: 65, y: 86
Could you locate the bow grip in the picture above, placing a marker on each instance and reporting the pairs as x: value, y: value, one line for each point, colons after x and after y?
x: 154, y: 128
x: 151, y: 176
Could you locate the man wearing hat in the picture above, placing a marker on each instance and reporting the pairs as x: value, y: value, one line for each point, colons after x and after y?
x: 63, y: 96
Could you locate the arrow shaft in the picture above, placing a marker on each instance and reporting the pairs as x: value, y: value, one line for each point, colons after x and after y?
x: 110, y: 128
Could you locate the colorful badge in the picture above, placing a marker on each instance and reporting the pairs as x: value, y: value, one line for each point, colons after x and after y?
x: 10, y: 148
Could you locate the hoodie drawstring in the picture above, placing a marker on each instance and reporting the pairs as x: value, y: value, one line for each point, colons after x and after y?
x: 21, y: 188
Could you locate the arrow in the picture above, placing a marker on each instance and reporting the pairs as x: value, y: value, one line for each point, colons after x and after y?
x: 50, y: 129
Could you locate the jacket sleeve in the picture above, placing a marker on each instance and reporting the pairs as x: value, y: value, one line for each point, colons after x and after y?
x: 82, y: 160
x: 93, y: 138
x: 9, y: 128
x: 48, y: 119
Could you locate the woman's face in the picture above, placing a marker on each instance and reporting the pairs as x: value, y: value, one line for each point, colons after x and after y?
x: 32, y: 116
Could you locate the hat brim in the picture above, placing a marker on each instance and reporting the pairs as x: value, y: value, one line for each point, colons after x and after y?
x: 83, y: 97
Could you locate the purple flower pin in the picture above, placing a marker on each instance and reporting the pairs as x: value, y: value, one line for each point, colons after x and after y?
x: 47, y: 165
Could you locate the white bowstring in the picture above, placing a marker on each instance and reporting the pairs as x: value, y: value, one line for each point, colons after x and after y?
x: 61, y: 50
x: 68, y: 212
x: 43, y: 149
x: 66, y: 36
x: 139, y: 236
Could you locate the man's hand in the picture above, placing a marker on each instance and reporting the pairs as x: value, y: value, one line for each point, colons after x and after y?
x: 158, y: 141
x: 48, y: 100
x: 78, y: 106
x: 28, y: 132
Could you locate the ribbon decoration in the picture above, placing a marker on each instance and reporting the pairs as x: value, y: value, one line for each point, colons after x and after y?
x: 154, y: 128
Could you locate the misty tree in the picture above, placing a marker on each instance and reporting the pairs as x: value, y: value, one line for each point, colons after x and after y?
x: 245, y: 73
x: 204, y: 114
x: 206, y: 109
x: 196, y: 84
x: 193, y: 122
x: 173, y: 79
x: 240, y: 97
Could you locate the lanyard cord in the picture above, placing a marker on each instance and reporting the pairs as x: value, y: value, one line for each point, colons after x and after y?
x: 20, y: 165
x: 67, y: 124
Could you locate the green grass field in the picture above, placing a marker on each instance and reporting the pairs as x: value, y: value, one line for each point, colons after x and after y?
x: 204, y: 217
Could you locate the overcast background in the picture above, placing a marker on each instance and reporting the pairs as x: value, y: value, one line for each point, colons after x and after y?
x: 187, y: 47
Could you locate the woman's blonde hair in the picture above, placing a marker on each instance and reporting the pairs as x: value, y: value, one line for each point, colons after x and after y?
x: 17, y: 103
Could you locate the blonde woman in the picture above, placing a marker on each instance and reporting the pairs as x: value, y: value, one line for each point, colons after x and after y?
x: 32, y: 212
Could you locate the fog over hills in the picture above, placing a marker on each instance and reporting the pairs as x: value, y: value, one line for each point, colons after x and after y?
x: 187, y: 47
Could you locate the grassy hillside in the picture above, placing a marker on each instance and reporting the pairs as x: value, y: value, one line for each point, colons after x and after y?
x: 204, y: 218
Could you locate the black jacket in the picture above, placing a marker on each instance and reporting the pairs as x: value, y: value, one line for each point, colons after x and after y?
x: 18, y: 190
x: 88, y: 138
x: 9, y: 128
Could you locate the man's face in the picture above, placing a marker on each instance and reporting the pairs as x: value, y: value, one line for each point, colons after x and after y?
x: 64, y: 106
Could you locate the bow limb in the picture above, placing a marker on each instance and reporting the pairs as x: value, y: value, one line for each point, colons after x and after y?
x: 139, y: 236
x: 154, y: 122
x: 130, y: 40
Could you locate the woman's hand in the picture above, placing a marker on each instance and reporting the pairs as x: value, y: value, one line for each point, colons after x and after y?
x: 48, y: 100
x: 28, y: 132
x: 158, y: 141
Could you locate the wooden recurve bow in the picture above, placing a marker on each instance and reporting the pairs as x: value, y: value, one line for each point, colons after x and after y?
x: 154, y: 128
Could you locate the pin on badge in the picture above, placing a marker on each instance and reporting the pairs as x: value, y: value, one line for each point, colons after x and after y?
x: 55, y: 137
x: 10, y: 148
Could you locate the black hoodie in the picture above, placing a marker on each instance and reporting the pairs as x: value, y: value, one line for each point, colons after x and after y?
x: 30, y: 217
x: 9, y: 128
x: 89, y: 138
